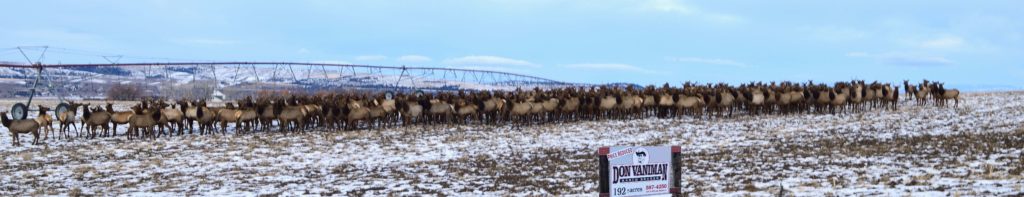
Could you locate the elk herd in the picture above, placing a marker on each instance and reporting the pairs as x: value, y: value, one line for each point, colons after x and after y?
x: 285, y: 114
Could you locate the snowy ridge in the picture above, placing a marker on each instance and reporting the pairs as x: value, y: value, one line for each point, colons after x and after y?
x: 230, y: 76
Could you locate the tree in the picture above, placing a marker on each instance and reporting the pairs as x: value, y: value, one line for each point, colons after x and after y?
x: 124, y: 92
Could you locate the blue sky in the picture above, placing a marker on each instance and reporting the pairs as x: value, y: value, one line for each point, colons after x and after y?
x: 643, y: 41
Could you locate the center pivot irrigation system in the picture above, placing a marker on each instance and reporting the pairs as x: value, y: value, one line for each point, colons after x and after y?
x: 240, y: 77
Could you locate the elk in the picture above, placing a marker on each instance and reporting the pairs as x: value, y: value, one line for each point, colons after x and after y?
x: 756, y: 99
x: 174, y: 117
x: 465, y: 110
x: 569, y: 106
x: 550, y: 107
x: 389, y: 105
x: 665, y: 102
x: 856, y: 96
x: 190, y: 112
x: 944, y: 95
x: 205, y: 117
x: 520, y: 110
x: 266, y: 114
x: 286, y: 115
x: 895, y: 98
x: 908, y: 87
x: 95, y: 119
x: 144, y: 120
x: 17, y: 127
x: 921, y: 94
x: 491, y: 108
x: 45, y: 121
x: 441, y: 111
x: 244, y: 117
x: 376, y: 114
x: 607, y: 105
x: 726, y: 98
x: 118, y: 118
x: 355, y: 112
x: 839, y: 97
x: 689, y: 104
x: 410, y: 110
x: 67, y: 120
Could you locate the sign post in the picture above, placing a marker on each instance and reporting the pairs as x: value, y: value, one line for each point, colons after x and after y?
x: 639, y: 170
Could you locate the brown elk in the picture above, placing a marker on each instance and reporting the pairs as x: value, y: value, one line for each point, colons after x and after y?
x: 921, y: 94
x: 607, y: 104
x: 243, y: 117
x: 943, y: 95
x: 95, y: 119
x: 287, y: 115
x: 189, y: 110
x: 266, y: 114
x: 376, y: 115
x: 549, y: 106
x: 569, y: 106
x: 521, y: 110
x: 689, y: 103
x: 725, y: 101
x: 174, y: 117
x: 666, y: 101
x: 856, y: 96
x: 441, y: 110
x: 410, y: 110
x: 492, y: 105
x: 67, y: 119
x: 143, y: 123
x: 755, y: 99
x: 118, y: 118
x: 45, y: 121
x: 356, y: 112
x: 839, y: 96
x: 390, y: 107
x: 17, y: 127
x: 205, y: 117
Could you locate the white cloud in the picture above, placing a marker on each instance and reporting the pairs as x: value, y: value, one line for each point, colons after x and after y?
x: 492, y: 68
x: 671, y: 6
x: 302, y: 51
x: 371, y: 58
x: 712, y: 61
x: 906, y: 59
x: 414, y: 58
x: 610, y: 66
x: 489, y: 60
x: 678, y: 7
x: 945, y: 42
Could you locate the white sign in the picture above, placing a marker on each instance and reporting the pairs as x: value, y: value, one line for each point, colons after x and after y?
x: 640, y: 171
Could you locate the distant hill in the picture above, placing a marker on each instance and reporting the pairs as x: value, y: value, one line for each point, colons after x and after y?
x: 179, y: 81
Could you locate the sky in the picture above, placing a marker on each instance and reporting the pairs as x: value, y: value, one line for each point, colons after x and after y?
x: 970, y: 45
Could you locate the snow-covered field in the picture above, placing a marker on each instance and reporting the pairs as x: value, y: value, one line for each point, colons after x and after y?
x: 975, y: 150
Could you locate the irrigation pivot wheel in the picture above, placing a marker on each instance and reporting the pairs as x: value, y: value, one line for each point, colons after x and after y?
x: 61, y: 108
x: 19, y: 111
